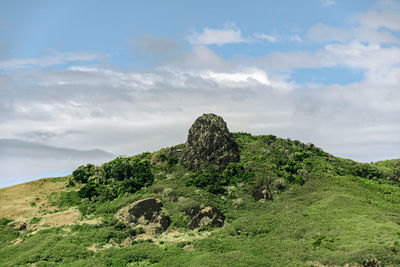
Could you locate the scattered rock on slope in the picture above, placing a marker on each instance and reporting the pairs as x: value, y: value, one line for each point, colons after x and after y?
x: 20, y: 226
x: 204, y: 216
x: 209, y: 141
x: 263, y: 192
x: 146, y: 212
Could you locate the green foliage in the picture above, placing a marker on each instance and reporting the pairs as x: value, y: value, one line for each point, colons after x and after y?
x: 5, y: 221
x: 115, y: 178
x: 215, y: 182
x: 7, y: 233
x: 292, y: 176
x: 326, y: 210
x: 32, y: 204
x: 135, y: 231
x: 35, y: 220
x: 83, y: 173
x: 172, y: 161
x: 68, y: 198
x: 206, y: 180
x: 366, y: 171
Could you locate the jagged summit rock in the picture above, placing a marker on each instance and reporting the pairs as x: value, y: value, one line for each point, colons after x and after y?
x: 210, y: 142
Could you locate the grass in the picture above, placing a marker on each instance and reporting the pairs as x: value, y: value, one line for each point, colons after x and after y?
x: 334, y: 218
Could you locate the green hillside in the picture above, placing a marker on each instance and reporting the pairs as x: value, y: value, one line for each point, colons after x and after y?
x: 326, y: 211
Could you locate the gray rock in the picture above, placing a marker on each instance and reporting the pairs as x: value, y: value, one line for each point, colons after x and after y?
x: 146, y: 212
x: 20, y: 226
x: 204, y: 216
x: 263, y: 192
x: 210, y: 142
x: 372, y: 263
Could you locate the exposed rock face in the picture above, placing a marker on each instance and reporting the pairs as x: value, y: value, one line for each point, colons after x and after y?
x: 146, y: 212
x: 263, y: 192
x: 203, y: 216
x: 209, y: 141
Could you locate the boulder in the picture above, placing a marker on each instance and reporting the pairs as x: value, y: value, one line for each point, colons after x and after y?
x: 372, y: 263
x: 210, y: 142
x: 204, y: 216
x: 20, y: 226
x: 145, y: 212
x: 263, y: 192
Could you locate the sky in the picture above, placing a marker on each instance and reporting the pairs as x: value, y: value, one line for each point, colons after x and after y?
x: 86, y: 81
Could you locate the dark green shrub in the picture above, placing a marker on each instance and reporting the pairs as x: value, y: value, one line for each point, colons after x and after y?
x: 69, y: 198
x: 209, y: 180
x: 292, y: 176
x: 5, y: 221
x: 35, y: 220
x: 172, y: 161
x: 83, y: 173
x: 366, y: 171
x: 119, y: 226
x: 236, y: 173
x: 214, y: 182
x: 115, y: 178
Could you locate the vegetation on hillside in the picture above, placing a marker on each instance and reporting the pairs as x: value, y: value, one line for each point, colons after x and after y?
x: 326, y: 211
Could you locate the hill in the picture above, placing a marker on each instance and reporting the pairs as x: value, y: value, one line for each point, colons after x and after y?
x: 279, y: 203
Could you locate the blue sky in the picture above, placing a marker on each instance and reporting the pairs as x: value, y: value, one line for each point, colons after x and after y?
x: 111, y: 26
x: 131, y: 76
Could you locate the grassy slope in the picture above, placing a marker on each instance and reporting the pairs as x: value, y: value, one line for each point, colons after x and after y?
x: 15, y: 201
x: 333, y: 219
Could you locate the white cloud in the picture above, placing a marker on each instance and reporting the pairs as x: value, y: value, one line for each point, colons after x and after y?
x: 328, y: 3
x: 374, y: 26
x: 295, y: 38
x: 50, y: 60
x: 199, y: 58
x: 229, y: 34
x: 267, y: 37
x: 385, y: 14
x: 324, y: 33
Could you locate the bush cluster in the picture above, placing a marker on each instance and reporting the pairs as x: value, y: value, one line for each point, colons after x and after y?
x: 114, y: 178
x: 292, y: 175
x: 214, y: 181
x: 366, y: 170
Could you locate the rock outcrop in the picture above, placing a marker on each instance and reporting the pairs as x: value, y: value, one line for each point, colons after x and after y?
x: 210, y: 142
x: 205, y: 216
x: 145, y: 212
x: 263, y: 192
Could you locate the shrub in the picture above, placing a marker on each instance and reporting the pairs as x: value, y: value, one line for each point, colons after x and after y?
x: 366, y: 171
x: 69, y: 198
x: 83, y: 173
x: 5, y: 221
x: 117, y: 177
x: 119, y: 226
x: 35, y: 220
x: 172, y: 161
x: 292, y: 176
x: 214, y: 182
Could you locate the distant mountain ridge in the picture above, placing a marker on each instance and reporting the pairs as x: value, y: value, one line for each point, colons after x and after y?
x: 22, y: 148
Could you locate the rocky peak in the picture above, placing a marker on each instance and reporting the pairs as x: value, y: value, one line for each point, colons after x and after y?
x: 210, y: 142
